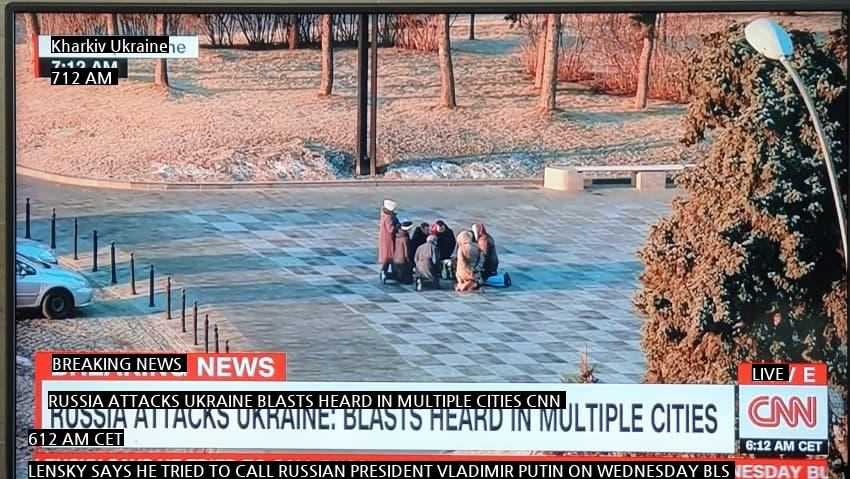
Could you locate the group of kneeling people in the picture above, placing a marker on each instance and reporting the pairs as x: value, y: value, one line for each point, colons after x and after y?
x: 434, y: 253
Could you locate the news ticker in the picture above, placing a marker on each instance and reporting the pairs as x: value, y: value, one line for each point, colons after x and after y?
x: 361, y: 469
x: 242, y: 401
x: 457, y: 467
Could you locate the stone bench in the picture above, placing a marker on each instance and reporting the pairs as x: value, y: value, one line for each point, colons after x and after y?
x: 643, y: 177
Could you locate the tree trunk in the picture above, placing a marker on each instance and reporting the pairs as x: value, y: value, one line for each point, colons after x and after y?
x: 550, y: 67
x: 447, y: 77
x: 644, y: 66
x: 541, y: 54
x: 327, y: 55
x: 33, y: 31
x: 160, y: 76
x: 112, y: 24
x: 472, y: 26
x: 293, y: 32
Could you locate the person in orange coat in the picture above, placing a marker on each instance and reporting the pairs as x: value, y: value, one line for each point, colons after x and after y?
x: 389, y: 226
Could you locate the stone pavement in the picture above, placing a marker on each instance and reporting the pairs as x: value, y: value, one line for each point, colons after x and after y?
x: 294, y: 270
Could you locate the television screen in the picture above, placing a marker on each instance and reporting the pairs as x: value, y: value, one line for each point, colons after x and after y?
x: 376, y: 242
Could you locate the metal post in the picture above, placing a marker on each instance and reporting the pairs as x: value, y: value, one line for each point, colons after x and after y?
x: 132, y: 274
x: 373, y: 103
x: 361, y: 163
x: 53, y: 229
x: 206, y: 333
x: 27, y: 227
x: 195, y: 322
x: 94, y: 251
x: 472, y: 26
x: 215, y: 336
x: 76, y: 233
x: 183, y: 309
x: 168, y: 297
x: 824, y: 146
x: 112, y: 262
x: 150, y: 288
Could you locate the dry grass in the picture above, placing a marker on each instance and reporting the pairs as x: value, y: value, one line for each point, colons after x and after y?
x: 247, y: 106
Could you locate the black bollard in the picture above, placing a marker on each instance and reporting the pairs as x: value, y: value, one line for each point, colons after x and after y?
x: 112, y: 259
x: 183, y: 309
x: 132, y: 274
x: 168, y: 298
x: 76, y: 233
x: 27, y: 229
x: 53, y: 229
x: 215, y: 335
x: 94, y: 251
x: 206, y: 333
x: 227, y: 346
x: 195, y: 322
x: 150, y: 289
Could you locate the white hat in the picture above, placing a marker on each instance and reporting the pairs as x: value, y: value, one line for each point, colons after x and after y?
x: 390, y: 205
x: 406, y: 225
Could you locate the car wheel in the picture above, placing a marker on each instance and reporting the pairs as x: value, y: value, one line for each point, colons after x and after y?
x: 57, y: 304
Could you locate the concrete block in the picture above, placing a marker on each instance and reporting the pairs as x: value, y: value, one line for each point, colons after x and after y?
x: 650, y: 180
x: 563, y: 179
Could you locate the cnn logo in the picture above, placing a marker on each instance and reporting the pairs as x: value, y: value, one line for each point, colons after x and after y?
x: 770, y: 411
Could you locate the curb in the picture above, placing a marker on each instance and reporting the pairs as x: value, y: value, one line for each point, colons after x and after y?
x: 164, y: 186
x: 108, y: 291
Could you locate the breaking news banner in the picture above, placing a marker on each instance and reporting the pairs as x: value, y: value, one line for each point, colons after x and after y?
x: 374, y: 469
x: 782, y: 409
x: 240, y: 401
x: 118, y: 362
x: 109, y: 366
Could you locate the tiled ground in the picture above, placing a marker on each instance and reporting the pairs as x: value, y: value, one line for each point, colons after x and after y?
x: 294, y: 271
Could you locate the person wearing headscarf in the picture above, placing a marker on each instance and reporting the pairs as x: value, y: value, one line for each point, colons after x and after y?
x: 427, y: 260
x: 389, y: 226
x: 469, y: 262
x: 445, y: 239
x: 446, y: 243
x: 420, y: 234
x: 490, y: 267
x: 403, y: 255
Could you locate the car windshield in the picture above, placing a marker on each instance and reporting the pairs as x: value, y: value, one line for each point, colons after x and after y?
x: 36, y: 261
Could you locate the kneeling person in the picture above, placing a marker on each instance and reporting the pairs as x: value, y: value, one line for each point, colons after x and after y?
x: 427, y: 261
x: 402, y: 256
x: 468, y: 272
x: 490, y: 267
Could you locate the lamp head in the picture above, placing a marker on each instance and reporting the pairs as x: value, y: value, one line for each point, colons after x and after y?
x: 769, y: 38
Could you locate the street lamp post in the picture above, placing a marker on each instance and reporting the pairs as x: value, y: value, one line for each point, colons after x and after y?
x: 772, y: 41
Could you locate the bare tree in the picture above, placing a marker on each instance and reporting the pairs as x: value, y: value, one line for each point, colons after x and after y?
x: 447, y: 76
x: 112, y: 24
x: 550, y: 67
x: 293, y: 32
x: 541, y: 51
x: 327, y: 55
x: 160, y: 76
x: 33, y: 31
x: 646, y: 23
x: 472, y: 26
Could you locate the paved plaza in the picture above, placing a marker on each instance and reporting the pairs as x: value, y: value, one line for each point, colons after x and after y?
x: 294, y: 270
